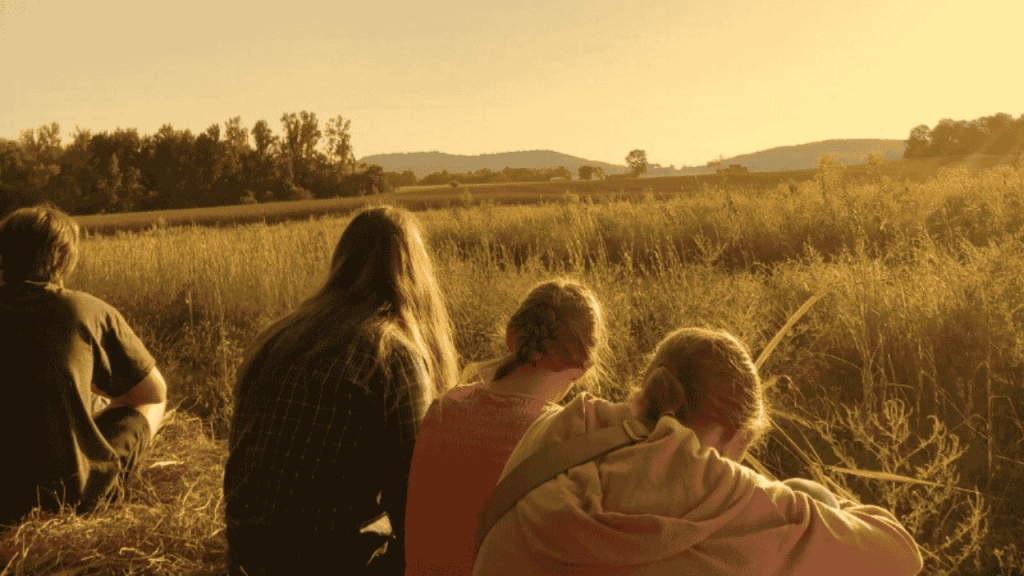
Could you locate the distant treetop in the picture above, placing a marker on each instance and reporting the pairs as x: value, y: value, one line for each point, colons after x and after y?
x: 998, y: 135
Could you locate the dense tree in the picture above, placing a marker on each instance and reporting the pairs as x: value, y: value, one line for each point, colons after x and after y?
x: 637, y: 160
x: 1006, y: 133
x: 33, y: 162
x: 997, y: 134
x: 261, y: 166
x: 919, y: 142
x: 206, y: 167
x: 396, y: 180
x: 112, y: 176
x: 586, y: 172
x: 953, y: 137
x: 167, y: 165
x: 339, y: 144
x: 290, y: 144
x: 508, y: 174
x: 436, y: 178
x: 234, y: 149
x: 235, y: 135
x: 370, y: 179
x: 560, y: 172
x: 264, y: 138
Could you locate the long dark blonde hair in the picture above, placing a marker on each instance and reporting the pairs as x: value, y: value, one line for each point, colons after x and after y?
x: 382, y: 283
x: 561, y: 318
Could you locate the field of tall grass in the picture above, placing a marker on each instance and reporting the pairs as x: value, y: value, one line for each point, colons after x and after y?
x: 904, y: 383
x: 420, y: 198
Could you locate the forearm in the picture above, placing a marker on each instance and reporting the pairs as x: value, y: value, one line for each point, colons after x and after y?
x: 148, y: 397
x: 154, y: 413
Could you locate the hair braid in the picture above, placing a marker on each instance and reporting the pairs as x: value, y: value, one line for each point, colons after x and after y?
x: 560, y: 319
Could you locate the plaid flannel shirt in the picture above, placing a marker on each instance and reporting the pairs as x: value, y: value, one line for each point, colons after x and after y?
x: 310, y: 452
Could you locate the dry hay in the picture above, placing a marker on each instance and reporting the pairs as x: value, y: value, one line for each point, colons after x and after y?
x: 171, y: 521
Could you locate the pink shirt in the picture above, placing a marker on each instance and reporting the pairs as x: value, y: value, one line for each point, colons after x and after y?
x: 461, y: 450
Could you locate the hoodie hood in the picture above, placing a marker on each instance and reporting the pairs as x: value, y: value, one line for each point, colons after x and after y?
x: 646, y: 502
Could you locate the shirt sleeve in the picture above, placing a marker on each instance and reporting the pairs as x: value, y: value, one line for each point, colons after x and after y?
x: 120, y: 360
x: 859, y: 538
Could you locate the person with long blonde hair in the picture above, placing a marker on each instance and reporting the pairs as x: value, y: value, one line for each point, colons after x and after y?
x: 677, y: 500
x: 328, y: 403
x: 555, y: 340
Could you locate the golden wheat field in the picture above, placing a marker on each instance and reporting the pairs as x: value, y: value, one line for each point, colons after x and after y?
x: 905, y: 380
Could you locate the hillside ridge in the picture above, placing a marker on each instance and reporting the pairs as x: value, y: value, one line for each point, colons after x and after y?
x: 424, y: 163
x: 781, y: 158
x: 803, y: 156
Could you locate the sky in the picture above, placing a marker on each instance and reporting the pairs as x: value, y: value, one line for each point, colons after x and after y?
x: 685, y: 80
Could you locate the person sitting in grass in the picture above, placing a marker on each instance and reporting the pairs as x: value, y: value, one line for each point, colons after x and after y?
x: 64, y: 353
x: 554, y: 338
x: 679, y: 502
x: 327, y: 406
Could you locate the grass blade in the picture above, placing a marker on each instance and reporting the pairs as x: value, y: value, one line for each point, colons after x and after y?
x: 892, y: 478
x: 789, y: 326
x: 793, y: 318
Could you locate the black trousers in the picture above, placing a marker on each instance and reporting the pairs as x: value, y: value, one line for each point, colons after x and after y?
x: 127, y: 431
x: 268, y: 551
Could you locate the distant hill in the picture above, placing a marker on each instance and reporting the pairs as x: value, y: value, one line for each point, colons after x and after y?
x: 800, y: 157
x: 424, y: 163
x: 804, y: 156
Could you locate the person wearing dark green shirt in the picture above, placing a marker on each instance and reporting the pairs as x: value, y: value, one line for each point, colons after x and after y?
x: 63, y: 354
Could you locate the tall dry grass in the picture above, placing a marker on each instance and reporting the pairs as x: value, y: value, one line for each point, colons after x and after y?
x: 904, y: 382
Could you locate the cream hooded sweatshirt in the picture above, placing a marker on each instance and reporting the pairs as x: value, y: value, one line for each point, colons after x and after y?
x: 667, y: 506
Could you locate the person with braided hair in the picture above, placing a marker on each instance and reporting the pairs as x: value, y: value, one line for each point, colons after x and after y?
x: 555, y: 339
x: 679, y: 501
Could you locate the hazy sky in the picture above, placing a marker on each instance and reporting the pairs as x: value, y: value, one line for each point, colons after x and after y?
x: 686, y: 80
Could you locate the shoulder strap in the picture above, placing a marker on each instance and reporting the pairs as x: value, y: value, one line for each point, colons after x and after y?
x: 551, y: 461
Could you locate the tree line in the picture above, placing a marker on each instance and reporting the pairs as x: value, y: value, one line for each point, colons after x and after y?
x: 637, y: 161
x: 996, y: 134
x: 124, y: 171
x: 485, y: 176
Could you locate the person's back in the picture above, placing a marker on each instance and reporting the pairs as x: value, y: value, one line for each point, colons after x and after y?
x: 462, y: 446
x: 313, y: 445
x: 555, y: 337
x: 327, y: 406
x: 63, y: 351
x: 679, y: 502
